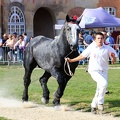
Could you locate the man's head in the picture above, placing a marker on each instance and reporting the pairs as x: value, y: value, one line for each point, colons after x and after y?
x: 99, y: 39
x: 15, y: 34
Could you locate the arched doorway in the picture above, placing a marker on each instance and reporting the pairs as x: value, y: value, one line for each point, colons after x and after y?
x: 43, y: 23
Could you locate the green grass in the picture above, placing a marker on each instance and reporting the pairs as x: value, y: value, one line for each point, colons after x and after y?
x: 78, y: 93
x: 2, y: 118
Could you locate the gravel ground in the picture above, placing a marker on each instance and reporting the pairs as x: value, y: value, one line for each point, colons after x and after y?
x: 15, y: 110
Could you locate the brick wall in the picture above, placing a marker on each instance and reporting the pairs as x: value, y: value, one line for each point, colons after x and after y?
x: 111, y: 3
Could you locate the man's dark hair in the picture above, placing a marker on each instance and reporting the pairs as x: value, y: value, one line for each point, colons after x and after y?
x: 99, y: 33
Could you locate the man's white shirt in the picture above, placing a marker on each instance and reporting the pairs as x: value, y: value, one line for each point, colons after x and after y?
x: 98, y: 56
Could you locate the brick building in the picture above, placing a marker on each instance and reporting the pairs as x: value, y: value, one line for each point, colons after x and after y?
x: 38, y: 17
x: 112, y: 7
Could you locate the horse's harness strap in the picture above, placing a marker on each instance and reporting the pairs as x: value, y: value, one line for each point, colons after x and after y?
x: 68, y: 65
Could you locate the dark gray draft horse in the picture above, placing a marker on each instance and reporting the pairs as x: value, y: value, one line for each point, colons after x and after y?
x: 50, y: 55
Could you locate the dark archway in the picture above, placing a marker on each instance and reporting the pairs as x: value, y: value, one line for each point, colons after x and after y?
x: 43, y: 23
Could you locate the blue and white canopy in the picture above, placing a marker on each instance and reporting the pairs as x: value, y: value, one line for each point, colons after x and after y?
x: 98, y: 18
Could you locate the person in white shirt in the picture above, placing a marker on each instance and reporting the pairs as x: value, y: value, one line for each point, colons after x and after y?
x: 25, y: 38
x: 99, y: 54
x: 21, y: 45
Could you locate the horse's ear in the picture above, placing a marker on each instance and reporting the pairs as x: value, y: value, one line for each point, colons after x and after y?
x: 67, y: 18
x: 79, y: 19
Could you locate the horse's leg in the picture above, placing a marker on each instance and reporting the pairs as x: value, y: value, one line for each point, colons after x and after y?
x: 62, y: 82
x: 59, y: 93
x: 28, y: 71
x: 43, y: 80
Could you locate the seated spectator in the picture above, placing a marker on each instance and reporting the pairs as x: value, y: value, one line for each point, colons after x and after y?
x: 21, y: 45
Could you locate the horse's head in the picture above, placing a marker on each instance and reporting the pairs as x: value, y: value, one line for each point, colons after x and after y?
x: 72, y: 30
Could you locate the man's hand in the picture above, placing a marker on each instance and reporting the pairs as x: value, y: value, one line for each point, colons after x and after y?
x: 68, y: 59
x: 113, y: 58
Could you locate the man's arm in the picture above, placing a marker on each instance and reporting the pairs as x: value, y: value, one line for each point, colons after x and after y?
x: 80, y: 57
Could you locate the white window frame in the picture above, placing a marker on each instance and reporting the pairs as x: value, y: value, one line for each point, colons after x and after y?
x: 111, y: 11
x: 16, y: 21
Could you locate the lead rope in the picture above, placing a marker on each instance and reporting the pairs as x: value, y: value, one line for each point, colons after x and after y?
x: 68, y: 65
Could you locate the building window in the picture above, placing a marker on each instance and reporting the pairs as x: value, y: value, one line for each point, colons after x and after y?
x: 16, y: 21
x: 111, y: 11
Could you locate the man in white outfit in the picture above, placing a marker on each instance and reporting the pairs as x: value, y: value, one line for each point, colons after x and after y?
x: 99, y: 54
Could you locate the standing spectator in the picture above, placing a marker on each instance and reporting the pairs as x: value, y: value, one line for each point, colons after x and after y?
x: 85, y: 34
x: 15, y: 39
x: 31, y: 38
x: 1, y: 49
x: 26, y: 39
x: 118, y: 46
x: 109, y: 39
x: 21, y: 45
x: 80, y: 45
x: 98, y: 68
x: 5, y: 49
x: 89, y: 39
x: 10, y: 44
x: 105, y: 36
x: 5, y: 37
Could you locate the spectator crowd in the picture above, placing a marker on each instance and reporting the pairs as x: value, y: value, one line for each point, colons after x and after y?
x: 12, y: 47
x: 86, y: 38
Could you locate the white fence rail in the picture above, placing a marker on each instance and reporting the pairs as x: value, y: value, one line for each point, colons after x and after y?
x: 10, y: 56
x: 6, y: 53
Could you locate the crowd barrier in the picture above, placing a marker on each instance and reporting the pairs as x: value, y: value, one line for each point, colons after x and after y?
x: 5, y: 52
x: 115, y: 46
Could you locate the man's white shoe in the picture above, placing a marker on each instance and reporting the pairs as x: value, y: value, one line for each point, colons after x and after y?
x: 101, y: 107
x: 93, y: 110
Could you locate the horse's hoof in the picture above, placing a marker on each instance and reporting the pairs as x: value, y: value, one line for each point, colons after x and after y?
x: 45, y: 101
x: 57, y: 107
x: 24, y: 100
x: 56, y: 102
